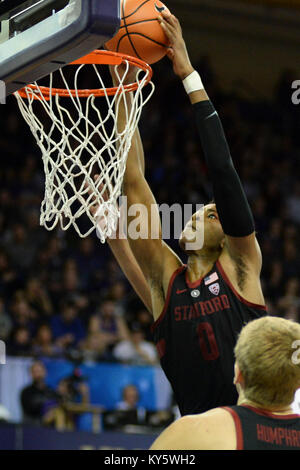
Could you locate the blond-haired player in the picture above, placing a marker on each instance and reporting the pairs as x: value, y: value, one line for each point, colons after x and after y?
x: 267, y: 375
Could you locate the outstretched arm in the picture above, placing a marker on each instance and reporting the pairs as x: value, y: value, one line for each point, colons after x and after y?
x: 151, y: 260
x: 231, y: 202
x: 125, y: 257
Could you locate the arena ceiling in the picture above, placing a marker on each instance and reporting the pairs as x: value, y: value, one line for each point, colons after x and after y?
x: 245, y: 38
x: 264, y: 19
x: 250, y: 4
x: 274, y: 3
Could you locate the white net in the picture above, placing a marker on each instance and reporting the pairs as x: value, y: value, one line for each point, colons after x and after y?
x: 80, y: 140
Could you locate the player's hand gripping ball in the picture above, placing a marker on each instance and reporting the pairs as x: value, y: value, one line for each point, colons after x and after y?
x: 140, y: 34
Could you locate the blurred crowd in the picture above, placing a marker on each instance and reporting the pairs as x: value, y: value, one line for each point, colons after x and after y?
x: 67, y: 406
x: 62, y: 296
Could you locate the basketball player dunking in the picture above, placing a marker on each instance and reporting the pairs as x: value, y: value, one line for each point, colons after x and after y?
x: 198, y: 308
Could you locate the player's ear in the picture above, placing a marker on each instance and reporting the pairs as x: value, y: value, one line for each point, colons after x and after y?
x: 238, y: 377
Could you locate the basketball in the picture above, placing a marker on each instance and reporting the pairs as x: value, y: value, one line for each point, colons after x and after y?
x: 140, y: 34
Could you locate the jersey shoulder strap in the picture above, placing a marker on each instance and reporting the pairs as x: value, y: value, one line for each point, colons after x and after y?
x: 238, y: 425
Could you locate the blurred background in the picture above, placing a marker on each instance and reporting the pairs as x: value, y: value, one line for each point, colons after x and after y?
x: 79, y: 346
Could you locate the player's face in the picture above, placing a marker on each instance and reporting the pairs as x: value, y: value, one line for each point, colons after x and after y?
x: 206, y: 220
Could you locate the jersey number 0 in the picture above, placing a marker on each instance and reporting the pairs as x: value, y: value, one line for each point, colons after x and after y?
x: 207, y: 342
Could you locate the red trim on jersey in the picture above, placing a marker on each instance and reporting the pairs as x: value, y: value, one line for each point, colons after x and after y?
x: 161, y: 316
x: 238, y: 428
x: 269, y: 414
x: 228, y: 282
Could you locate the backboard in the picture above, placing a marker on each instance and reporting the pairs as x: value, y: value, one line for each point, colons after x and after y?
x: 39, y: 36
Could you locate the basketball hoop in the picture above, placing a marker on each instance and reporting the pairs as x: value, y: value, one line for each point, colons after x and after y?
x: 82, y: 140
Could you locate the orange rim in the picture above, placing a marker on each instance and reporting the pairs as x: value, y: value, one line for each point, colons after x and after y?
x: 97, y: 57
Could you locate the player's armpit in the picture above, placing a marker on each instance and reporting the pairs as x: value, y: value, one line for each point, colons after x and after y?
x: 247, y: 249
x: 130, y: 267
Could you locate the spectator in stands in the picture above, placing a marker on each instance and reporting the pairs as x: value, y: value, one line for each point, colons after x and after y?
x: 37, y: 397
x: 130, y: 398
x: 84, y: 305
x: 70, y: 280
x: 20, y: 343
x: 112, y: 325
x: 113, y: 272
x: 144, y: 320
x: 136, y: 350
x: 22, y: 314
x: 95, y: 346
x: 71, y: 390
x: 291, y: 262
x: 128, y: 411
x: 32, y: 220
x: 43, y: 344
x: 37, y: 297
x: 19, y: 246
x: 291, y: 297
x: 50, y: 261
x: 5, y: 322
x: 87, y: 261
x: 9, y: 278
x: 74, y: 388
x: 274, y: 287
x: 118, y: 295
x: 67, y: 328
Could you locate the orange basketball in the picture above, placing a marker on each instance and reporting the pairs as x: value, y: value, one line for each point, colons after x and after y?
x: 140, y: 34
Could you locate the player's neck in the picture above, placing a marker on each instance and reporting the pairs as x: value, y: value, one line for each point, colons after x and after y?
x: 274, y: 410
x: 200, y: 264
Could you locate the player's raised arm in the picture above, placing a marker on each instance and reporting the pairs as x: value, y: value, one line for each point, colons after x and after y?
x: 231, y: 202
x: 155, y: 259
x: 122, y: 251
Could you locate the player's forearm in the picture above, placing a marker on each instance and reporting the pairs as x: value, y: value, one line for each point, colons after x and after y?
x: 135, y: 165
x: 120, y: 246
x: 232, y: 205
